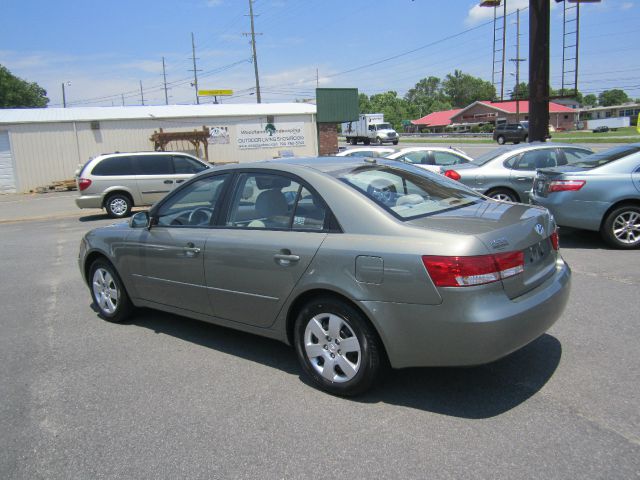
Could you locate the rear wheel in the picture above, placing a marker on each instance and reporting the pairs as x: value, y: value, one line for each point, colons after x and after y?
x: 503, y: 195
x: 108, y: 292
x: 500, y: 140
x: 621, y: 228
x: 118, y: 205
x: 367, y: 141
x: 337, y: 347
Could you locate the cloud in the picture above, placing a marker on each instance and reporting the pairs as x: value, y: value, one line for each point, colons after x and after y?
x: 626, y: 6
x: 214, y: 3
x: 478, y: 14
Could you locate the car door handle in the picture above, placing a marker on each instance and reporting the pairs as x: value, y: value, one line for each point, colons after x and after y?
x: 191, y: 250
x: 179, y: 181
x: 285, y: 259
x: 523, y: 178
x: 168, y: 182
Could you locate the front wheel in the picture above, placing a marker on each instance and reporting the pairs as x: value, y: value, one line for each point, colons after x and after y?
x: 500, y: 140
x: 337, y: 348
x: 379, y: 140
x: 525, y: 139
x: 108, y: 292
x: 395, y: 142
x: 621, y: 228
x: 118, y: 205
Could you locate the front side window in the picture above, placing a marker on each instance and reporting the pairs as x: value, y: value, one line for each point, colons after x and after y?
x: 445, y: 159
x: 185, y: 165
x: 416, y: 157
x: 194, y: 205
x: 113, y: 166
x: 404, y: 193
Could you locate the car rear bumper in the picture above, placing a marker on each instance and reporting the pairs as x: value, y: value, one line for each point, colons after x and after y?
x: 473, y: 330
x: 89, y: 201
x: 572, y: 213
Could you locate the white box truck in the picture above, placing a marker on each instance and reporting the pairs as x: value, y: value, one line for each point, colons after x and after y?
x: 370, y: 127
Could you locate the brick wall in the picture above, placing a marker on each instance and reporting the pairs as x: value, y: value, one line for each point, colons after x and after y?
x: 327, y: 138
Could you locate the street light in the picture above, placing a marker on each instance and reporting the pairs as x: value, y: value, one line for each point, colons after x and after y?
x: 64, y: 97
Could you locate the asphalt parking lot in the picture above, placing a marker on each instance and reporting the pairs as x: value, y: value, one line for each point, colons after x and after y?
x: 167, y: 397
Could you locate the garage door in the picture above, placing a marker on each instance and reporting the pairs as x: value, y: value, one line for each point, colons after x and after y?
x: 7, y: 178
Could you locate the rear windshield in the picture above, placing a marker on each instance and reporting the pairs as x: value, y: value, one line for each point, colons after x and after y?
x: 406, y: 194
x: 607, y: 156
x: 490, y: 155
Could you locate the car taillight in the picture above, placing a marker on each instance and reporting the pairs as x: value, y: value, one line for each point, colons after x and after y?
x: 452, y: 174
x: 83, y: 183
x: 475, y: 270
x: 566, y: 185
x: 555, y: 240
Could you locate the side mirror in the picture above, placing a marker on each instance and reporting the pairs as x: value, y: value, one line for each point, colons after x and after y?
x: 140, y: 220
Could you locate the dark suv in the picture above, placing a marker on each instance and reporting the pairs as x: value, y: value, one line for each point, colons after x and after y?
x: 510, y: 132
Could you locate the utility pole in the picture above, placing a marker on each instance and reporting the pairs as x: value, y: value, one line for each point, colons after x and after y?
x: 255, y: 56
x: 517, y: 61
x: 539, y: 20
x: 504, y: 46
x: 141, y: 93
x: 64, y: 97
x: 122, y: 95
x: 164, y: 75
x: 195, y: 69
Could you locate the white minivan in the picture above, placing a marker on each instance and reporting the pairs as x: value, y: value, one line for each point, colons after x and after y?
x: 119, y: 181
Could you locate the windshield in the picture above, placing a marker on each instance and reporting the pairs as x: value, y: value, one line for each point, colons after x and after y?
x: 383, y: 126
x: 406, y: 194
x: 602, y: 158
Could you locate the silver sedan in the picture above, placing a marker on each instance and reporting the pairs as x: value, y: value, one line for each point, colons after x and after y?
x: 600, y: 192
x: 359, y: 264
x: 507, y: 172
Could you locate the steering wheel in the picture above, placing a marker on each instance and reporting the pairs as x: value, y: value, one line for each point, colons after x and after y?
x: 200, y: 216
x: 382, y: 191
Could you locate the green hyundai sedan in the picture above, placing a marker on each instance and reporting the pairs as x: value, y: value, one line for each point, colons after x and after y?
x: 359, y: 264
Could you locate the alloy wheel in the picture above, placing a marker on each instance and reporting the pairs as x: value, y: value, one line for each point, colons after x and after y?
x: 332, y: 347
x: 626, y: 227
x: 105, y: 291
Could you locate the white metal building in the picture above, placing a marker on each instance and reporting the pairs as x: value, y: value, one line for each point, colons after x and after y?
x: 43, y: 145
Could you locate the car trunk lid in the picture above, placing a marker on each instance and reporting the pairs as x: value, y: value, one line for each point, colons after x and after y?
x: 505, y: 227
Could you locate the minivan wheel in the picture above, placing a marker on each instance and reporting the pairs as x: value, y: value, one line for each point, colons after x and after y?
x: 108, y: 292
x: 621, y: 228
x: 337, y: 348
x: 502, y: 194
x: 118, y: 205
x: 500, y: 140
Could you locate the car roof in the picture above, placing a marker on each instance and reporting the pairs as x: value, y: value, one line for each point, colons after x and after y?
x: 509, y: 148
x: 115, y: 154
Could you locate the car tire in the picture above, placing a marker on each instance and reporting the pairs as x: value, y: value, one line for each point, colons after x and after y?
x: 367, y: 141
x: 503, y: 194
x: 395, y: 142
x: 324, y: 328
x: 108, y: 292
x: 525, y: 139
x: 500, y: 140
x: 379, y: 141
x: 621, y: 228
x: 118, y: 205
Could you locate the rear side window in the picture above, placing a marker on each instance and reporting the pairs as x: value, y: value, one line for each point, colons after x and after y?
x: 416, y: 157
x: 445, y: 158
x: 113, y: 166
x: 153, y: 165
x: 537, y: 159
x: 186, y: 165
x: 574, y: 154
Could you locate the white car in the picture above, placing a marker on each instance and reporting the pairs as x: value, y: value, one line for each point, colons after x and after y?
x: 366, y: 152
x: 434, y: 159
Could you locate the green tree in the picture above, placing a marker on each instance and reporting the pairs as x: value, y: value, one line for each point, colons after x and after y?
x: 18, y: 93
x: 463, y: 89
x: 426, y: 97
x: 590, y: 100
x: 613, y: 97
x: 365, y: 103
x: 521, y: 90
x: 395, y: 109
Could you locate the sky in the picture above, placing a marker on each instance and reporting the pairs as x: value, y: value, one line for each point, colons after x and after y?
x: 102, y: 51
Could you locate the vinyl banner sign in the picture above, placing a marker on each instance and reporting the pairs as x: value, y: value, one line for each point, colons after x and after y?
x: 271, y: 135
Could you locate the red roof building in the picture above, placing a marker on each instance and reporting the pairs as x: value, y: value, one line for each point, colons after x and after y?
x: 560, y: 116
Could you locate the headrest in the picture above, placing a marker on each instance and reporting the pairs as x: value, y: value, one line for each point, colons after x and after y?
x: 265, y: 182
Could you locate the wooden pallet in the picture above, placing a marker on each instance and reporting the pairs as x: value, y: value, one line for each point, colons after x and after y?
x: 57, y: 186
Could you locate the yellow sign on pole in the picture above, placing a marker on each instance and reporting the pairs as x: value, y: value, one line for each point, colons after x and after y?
x: 214, y: 93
